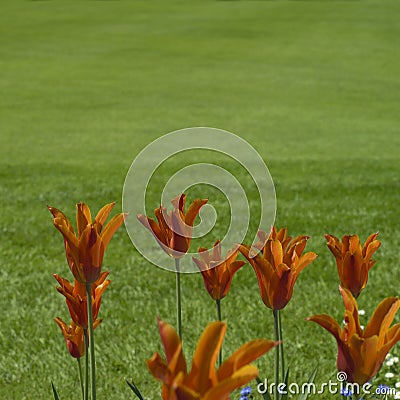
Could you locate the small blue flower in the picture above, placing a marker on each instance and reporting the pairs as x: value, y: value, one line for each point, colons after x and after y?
x: 244, y: 398
x: 383, y: 389
x: 346, y: 392
x: 381, y: 386
x: 246, y: 391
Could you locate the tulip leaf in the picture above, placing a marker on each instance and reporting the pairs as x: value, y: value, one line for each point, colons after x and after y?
x: 265, y: 394
x: 135, y: 389
x: 55, y: 394
x: 304, y: 396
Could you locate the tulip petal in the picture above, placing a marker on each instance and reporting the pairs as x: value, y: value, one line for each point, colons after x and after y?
x: 264, y: 272
x: 305, y: 260
x: 204, y: 255
x: 200, y: 264
x: 328, y: 323
x: 164, y: 222
x: 152, y: 226
x: 202, y: 375
x: 243, y: 356
x: 180, y: 236
x: 235, y: 266
x: 281, y: 235
x: 64, y: 283
x: 224, y: 388
x: 393, y: 334
x: 371, y: 249
x: 382, y: 317
x: 103, y: 214
x: 216, y: 251
x: 179, y: 202
x: 350, y: 277
x: 334, y: 245
x: 111, y: 228
x: 364, y: 353
x: 392, y: 337
x: 64, y: 226
x: 370, y: 239
x: 184, y: 393
x: 172, y: 347
x: 281, y: 286
x: 277, y: 252
x: 63, y: 326
x: 158, y: 368
x: 354, y: 244
x: 351, y: 306
x: 193, y: 210
x: 83, y: 217
x: 57, y: 214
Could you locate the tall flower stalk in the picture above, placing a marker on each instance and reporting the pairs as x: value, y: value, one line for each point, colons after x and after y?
x: 81, y: 378
x: 173, y: 232
x: 281, y: 342
x: 277, y: 350
x: 217, y: 272
x: 86, y: 397
x: 219, y: 314
x: 178, y: 297
x: 91, y: 341
x: 277, y: 261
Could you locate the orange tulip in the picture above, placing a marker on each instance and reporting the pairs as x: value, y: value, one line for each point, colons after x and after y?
x: 218, y: 272
x: 85, y: 251
x: 278, y: 265
x: 76, y: 298
x: 353, y: 260
x: 361, y: 352
x: 173, y: 231
x: 74, y: 338
x: 203, y: 382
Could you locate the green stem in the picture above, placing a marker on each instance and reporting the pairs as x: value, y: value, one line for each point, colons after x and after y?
x: 178, y: 298
x: 218, y: 302
x: 281, y: 345
x: 91, y: 340
x: 86, y: 336
x: 277, y: 351
x: 81, y: 377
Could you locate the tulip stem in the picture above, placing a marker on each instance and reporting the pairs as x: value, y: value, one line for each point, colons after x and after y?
x: 85, y: 334
x: 277, y: 352
x: 281, y: 344
x: 91, y: 340
x: 218, y: 302
x: 81, y: 377
x: 178, y: 298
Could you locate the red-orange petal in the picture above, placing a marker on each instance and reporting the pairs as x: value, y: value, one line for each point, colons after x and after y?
x: 103, y: 214
x: 83, y: 217
x: 193, y: 210
x: 172, y: 345
x: 224, y: 388
x: 246, y: 354
x: 112, y: 227
x: 202, y: 375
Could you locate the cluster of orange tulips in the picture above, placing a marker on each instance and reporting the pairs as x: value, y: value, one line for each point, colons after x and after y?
x: 277, y: 260
x: 84, y: 250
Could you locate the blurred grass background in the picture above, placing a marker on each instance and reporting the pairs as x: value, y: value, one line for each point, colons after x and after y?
x: 312, y: 85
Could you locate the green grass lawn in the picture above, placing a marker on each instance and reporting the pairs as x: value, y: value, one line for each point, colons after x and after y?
x: 314, y: 86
